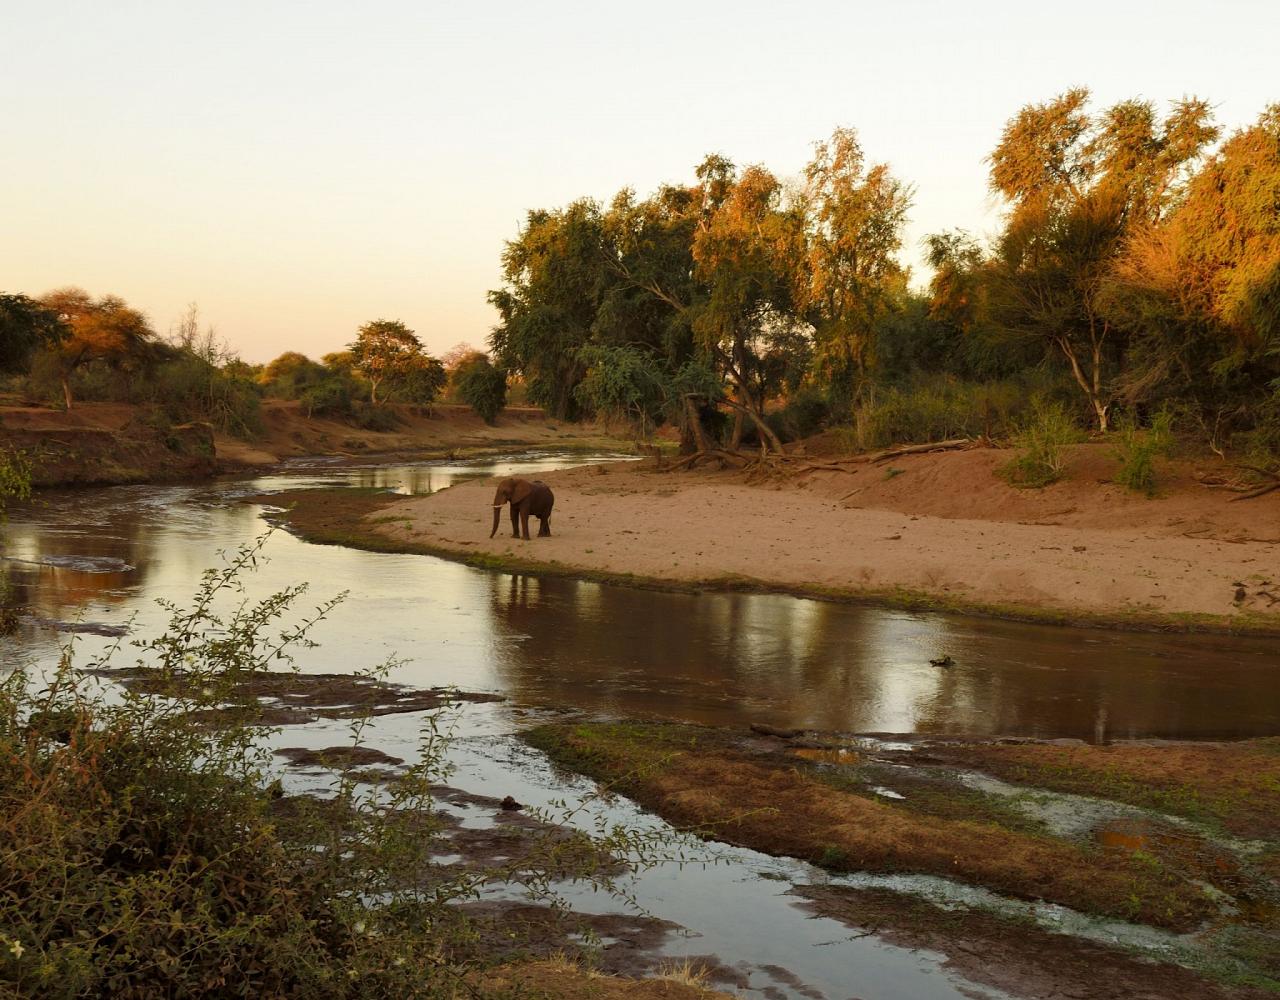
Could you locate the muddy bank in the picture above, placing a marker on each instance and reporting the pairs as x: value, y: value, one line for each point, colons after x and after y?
x: 285, y: 698
x: 1015, y: 957
x: 97, y: 446
x: 1148, y: 566
x: 894, y: 815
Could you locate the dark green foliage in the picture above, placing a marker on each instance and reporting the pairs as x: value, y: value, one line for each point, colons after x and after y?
x: 624, y: 383
x: 369, y: 417
x: 556, y: 274
x: 421, y: 382
x: 482, y: 385
x: 332, y: 397
x: 191, y: 386
x: 25, y: 325
x: 804, y: 414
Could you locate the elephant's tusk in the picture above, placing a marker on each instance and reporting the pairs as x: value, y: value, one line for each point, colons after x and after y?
x: 498, y: 506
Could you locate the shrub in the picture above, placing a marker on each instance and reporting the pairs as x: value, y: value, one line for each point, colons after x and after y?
x: 144, y: 852
x: 15, y: 478
x: 1042, y: 441
x: 803, y: 415
x: 940, y: 407
x: 1137, y: 450
x: 333, y: 397
x: 369, y: 417
x: 189, y: 387
x: 482, y: 386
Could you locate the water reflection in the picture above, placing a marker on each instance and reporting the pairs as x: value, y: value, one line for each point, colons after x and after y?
x: 714, y: 658
x: 730, y: 658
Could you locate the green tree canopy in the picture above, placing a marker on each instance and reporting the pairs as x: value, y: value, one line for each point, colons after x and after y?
x: 389, y: 354
x: 481, y: 384
x: 25, y: 326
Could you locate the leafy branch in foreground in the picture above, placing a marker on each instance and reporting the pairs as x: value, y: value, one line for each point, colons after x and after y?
x: 146, y: 851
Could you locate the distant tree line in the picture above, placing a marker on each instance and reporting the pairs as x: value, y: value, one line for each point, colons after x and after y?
x: 67, y: 346
x: 1137, y: 270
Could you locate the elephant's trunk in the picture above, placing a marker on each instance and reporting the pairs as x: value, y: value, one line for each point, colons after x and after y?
x: 497, y: 513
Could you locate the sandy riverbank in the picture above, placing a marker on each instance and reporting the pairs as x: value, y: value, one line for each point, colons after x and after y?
x: 944, y: 529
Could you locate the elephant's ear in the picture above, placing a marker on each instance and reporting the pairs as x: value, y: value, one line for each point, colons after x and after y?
x: 522, y: 490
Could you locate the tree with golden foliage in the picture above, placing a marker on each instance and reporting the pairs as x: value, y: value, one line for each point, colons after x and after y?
x: 104, y: 329
x: 854, y: 219
x: 1077, y: 185
x: 1200, y: 289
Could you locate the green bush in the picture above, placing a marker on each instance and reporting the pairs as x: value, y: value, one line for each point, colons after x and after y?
x: 940, y: 407
x: 1137, y: 450
x: 189, y: 387
x: 803, y: 415
x: 368, y: 417
x: 482, y: 386
x: 15, y: 478
x: 333, y: 397
x: 146, y: 852
x: 1042, y: 441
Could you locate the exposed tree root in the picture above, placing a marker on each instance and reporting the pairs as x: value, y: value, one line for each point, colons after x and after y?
x: 1261, y: 490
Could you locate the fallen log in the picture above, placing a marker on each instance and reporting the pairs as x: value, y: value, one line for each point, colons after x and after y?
x: 838, y: 464
x: 919, y: 449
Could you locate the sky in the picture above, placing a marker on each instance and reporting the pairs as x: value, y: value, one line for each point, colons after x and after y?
x: 299, y: 168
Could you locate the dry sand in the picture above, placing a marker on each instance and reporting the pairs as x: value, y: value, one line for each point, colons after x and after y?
x: 947, y: 527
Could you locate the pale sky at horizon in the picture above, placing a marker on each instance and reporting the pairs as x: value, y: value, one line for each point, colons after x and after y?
x: 299, y: 168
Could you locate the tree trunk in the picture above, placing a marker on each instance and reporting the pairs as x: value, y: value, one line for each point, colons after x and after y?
x: 66, y: 390
x: 1092, y: 389
x: 695, y: 424
x: 739, y: 424
x: 373, y: 392
x: 749, y: 408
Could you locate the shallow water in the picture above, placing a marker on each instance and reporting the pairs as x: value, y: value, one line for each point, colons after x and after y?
x: 102, y: 556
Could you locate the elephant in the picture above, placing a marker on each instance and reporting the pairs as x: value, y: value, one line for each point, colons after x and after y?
x: 526, y: 498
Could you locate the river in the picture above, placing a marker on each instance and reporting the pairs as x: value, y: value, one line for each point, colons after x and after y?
x: 97, y: 560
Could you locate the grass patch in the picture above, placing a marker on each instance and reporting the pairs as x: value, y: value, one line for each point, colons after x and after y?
x: 698, y: 783
x: 1235, y: 788
x: 1042, y: 442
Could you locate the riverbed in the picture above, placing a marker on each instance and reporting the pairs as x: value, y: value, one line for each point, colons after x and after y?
x: 91, y: 564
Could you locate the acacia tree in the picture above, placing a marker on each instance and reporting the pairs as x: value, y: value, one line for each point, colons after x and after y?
x: 25, y: 326
x: 1076, y: 185
x: 387, y: 351
x: 854, y: 216
x: 104, y: 329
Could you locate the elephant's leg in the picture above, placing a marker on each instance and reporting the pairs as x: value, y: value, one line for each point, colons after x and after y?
x: 515, y: 521
x: 524, y: 524
x: 545, y: 530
